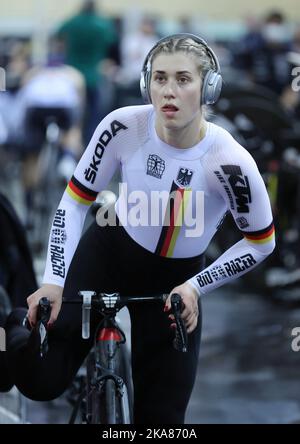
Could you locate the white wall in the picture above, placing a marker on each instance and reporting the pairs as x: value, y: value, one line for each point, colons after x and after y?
x: 55, y: 10
x: 39, y: 17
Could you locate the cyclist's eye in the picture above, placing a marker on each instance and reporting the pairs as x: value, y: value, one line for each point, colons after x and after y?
x: 159, y: 79
x: 183, y: 80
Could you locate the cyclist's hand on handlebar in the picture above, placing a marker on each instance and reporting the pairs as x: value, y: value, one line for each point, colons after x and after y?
x: 51, y: 292
x: 190, y: 301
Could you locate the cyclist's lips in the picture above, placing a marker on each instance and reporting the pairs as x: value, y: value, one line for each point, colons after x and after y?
x: 169, y: 110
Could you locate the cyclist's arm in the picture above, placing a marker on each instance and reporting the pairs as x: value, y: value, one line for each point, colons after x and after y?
x: 235, y: 176
x: 93, y: 173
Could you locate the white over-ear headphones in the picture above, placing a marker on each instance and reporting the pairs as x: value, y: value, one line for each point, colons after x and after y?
x: 212, y: 82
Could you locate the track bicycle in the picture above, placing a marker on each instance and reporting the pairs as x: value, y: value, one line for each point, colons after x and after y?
x: 105, y: 393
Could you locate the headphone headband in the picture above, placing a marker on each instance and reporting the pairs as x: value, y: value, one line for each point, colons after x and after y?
x: 184, y: 35
x: 212, y: 82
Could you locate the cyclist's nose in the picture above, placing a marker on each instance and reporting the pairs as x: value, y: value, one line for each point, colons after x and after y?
x: 170, y: 89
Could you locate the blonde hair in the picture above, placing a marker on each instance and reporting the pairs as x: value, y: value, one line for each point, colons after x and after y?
x: 188, y: 46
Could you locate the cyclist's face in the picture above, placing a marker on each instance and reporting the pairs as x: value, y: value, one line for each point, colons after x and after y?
x: 175, y: 89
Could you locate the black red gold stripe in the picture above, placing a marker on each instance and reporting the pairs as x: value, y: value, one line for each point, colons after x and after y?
x: 261, y: 236
x: 175, y: 209
x: 80, y: 193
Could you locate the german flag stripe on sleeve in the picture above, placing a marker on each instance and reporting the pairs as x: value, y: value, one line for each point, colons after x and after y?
x: 261, y: 236
x: 80, y: 193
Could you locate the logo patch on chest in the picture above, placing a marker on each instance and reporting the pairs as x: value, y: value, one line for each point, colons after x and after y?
x: 184, y: 177
x: 155, y: 166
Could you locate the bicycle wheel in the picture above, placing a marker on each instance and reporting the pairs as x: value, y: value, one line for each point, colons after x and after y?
x: 124, y: 403
x: 125, y: 373
x: 93, y: 396
x: 102, y: 405
x: 122, y: 368
x: 111, y: 405
x: 106, y: 404
x: 116, y: 409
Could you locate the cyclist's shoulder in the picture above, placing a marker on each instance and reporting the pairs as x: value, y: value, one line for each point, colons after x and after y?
x: 133, y: 111
x: 222, y: 139
x: 225, y: 149
x: 133, y: 119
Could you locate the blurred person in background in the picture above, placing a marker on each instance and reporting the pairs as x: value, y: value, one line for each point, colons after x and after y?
x: 290, y: 98
x: 262, y: 53
x: 251, y: 41
x: 134, y: 48
x: 87, y: 39
x: 137, y: 38
x: 295, y: 47
x: 17, y: 64
x: 185, y: 24
x: 54, y: 89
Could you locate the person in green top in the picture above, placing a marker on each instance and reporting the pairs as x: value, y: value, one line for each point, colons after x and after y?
x: 88, y: 38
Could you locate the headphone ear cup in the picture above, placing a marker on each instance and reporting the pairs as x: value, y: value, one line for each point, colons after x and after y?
x: 144, y: 87
x: 211, y: 88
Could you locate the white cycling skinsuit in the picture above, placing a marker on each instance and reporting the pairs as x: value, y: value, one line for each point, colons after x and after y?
x: 197, y: 186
